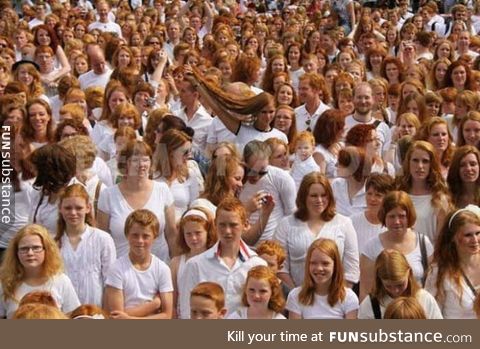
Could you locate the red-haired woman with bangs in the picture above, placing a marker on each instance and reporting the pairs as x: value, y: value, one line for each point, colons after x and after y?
x: 314, y: 219
x: 196, y: 234
x: 455, y: 274
x: 323, y: 294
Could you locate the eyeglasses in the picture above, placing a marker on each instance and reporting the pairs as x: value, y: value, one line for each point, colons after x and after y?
x: 26, y: 249
x: 3, y: 45
x: 154, y: 42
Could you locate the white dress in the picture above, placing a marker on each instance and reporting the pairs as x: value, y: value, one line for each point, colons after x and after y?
x: 59, y: 286
x: 114, y: 204
x: 320, y: 308
x: 426, y: 300
x: 374, y: 247
x: 295, y: 237
x: 87, y: 266
x: 451, y: 306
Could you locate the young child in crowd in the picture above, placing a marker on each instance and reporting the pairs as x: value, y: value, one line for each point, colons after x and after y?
x: 196, y: 234
x: 303, y: 163
x: 87, y: 252
x: 207, y: 301
x: 262, y: 296
x: 139, y: 285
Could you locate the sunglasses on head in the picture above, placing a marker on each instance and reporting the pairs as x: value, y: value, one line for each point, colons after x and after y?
x: 254, y: 173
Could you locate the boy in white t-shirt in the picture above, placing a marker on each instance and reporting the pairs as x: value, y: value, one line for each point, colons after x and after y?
x: 139, y: 285
x: 303, y: 163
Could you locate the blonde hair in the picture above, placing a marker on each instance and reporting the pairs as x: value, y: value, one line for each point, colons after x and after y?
x: 12, y: 271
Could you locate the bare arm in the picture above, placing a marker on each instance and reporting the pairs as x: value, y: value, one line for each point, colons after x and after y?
x: 158, y: 72
x: 351, y: 14
x: 171, y: 230
x: 255, y: 232
x: 367, y: 275
x: 351, y: 315
x: 103, y: 220
x: 62, y: 59
x: 294, y: 316
x: 287, y: 279
x: 174, y: 269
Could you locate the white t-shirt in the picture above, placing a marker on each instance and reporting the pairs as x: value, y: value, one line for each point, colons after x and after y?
x: 114, y: 204
x: 374, y: 247
x: 90, y: 79
x: 426, y: 300
x: 110, y: 27
x: 320, y: 308
x: 241, y: 314
x: 295, y: 237
x: 246, y: 134
x: 87, y: 266
x: 383, y: 131
x: 59, y: 286
x: 139, y: 286
x: 184, y: 193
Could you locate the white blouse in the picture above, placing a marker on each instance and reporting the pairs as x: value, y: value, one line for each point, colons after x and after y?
x: 87, y: 265
x: 295, y: 237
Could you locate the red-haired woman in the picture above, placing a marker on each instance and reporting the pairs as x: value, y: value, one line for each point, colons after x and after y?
x: 314, y: 219
x: 323, y: 294
x: 455, y: 276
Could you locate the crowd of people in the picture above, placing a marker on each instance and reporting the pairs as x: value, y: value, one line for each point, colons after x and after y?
x: 243, y: 159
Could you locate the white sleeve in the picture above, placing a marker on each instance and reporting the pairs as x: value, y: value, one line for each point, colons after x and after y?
x: 288, y: 193
x: 104, y: 201
x: 365, y: 310
x: 191, y: 279
x: 115, y: 276
x: 108, y: 255
x: 351, y: 302
x: 69, y: 297
x: 351, y: 260
x: 293, y: 304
